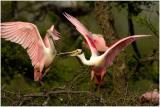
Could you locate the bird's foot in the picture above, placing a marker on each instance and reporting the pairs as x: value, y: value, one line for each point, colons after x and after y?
x: 41, y: 83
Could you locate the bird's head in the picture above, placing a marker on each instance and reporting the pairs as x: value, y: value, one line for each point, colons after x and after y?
x: 76, y: 52
x: 72, y: 53
x: 53, y: 33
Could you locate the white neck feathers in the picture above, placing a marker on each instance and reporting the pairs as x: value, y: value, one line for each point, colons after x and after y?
x: 84, y: 60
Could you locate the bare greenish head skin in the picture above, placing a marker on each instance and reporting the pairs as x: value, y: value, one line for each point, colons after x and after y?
x: 72, y: 53
x: 76, y: 52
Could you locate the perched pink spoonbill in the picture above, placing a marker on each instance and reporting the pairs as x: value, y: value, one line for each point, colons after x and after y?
x: 96, y: 43
x: 41, y: 52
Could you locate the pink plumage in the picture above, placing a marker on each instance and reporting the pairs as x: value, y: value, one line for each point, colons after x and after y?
x: 97, y: 43
x: 151, y: 97
x: 86, y: 34
x: 117, y: 47
x: 97, y: 74
x: 27, y: 35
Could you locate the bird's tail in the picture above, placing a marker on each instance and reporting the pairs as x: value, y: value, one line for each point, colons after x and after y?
x: 98, y: 75
x: 37, y: 75
x: 97, y: 79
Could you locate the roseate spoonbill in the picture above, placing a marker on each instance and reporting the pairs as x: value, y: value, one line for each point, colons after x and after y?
x: 41, y: 52
x: 96, y: 43
x: 151, y: 96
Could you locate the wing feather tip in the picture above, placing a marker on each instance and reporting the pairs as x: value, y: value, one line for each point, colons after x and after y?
x: 140, y: 36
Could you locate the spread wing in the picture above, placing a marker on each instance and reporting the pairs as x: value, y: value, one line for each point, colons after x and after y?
x: 25, y: 34
x: 117, y: 47
x: 86, y: 34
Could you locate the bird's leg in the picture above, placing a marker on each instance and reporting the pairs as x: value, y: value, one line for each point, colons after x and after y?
x: 103, y: 74
x: 91, y: 81
x: 41, y: 83
x: 37, y: 73
x: 40, y: 78
x: 41, y: 66
x: 46, y: 71
x: 92, y: 75
x: 91, y: 84
x: 42, y: 87
x: 98, y: 83
x: 98, y: 88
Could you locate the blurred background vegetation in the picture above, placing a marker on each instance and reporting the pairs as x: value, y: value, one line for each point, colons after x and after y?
x: 134, y: 71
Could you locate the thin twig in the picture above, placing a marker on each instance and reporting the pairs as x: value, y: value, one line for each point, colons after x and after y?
x: 54, y: 92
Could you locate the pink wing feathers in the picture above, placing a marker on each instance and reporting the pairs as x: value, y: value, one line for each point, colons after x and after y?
x: 25, y: 34
x: 117, y: 47
x: 86, y: 34
x: 99, y: 42
x: 56, y: 34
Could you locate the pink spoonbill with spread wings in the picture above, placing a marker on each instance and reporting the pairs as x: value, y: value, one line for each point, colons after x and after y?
x: 41, y: 52
x: 97, y: 43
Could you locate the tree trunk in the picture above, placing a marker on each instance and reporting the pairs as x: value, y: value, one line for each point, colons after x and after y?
x: 14, y: 9
x: 103, y: 15
x: 131, y: 30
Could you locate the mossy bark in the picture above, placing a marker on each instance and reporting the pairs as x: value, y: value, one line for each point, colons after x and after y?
x: 106, y: 22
